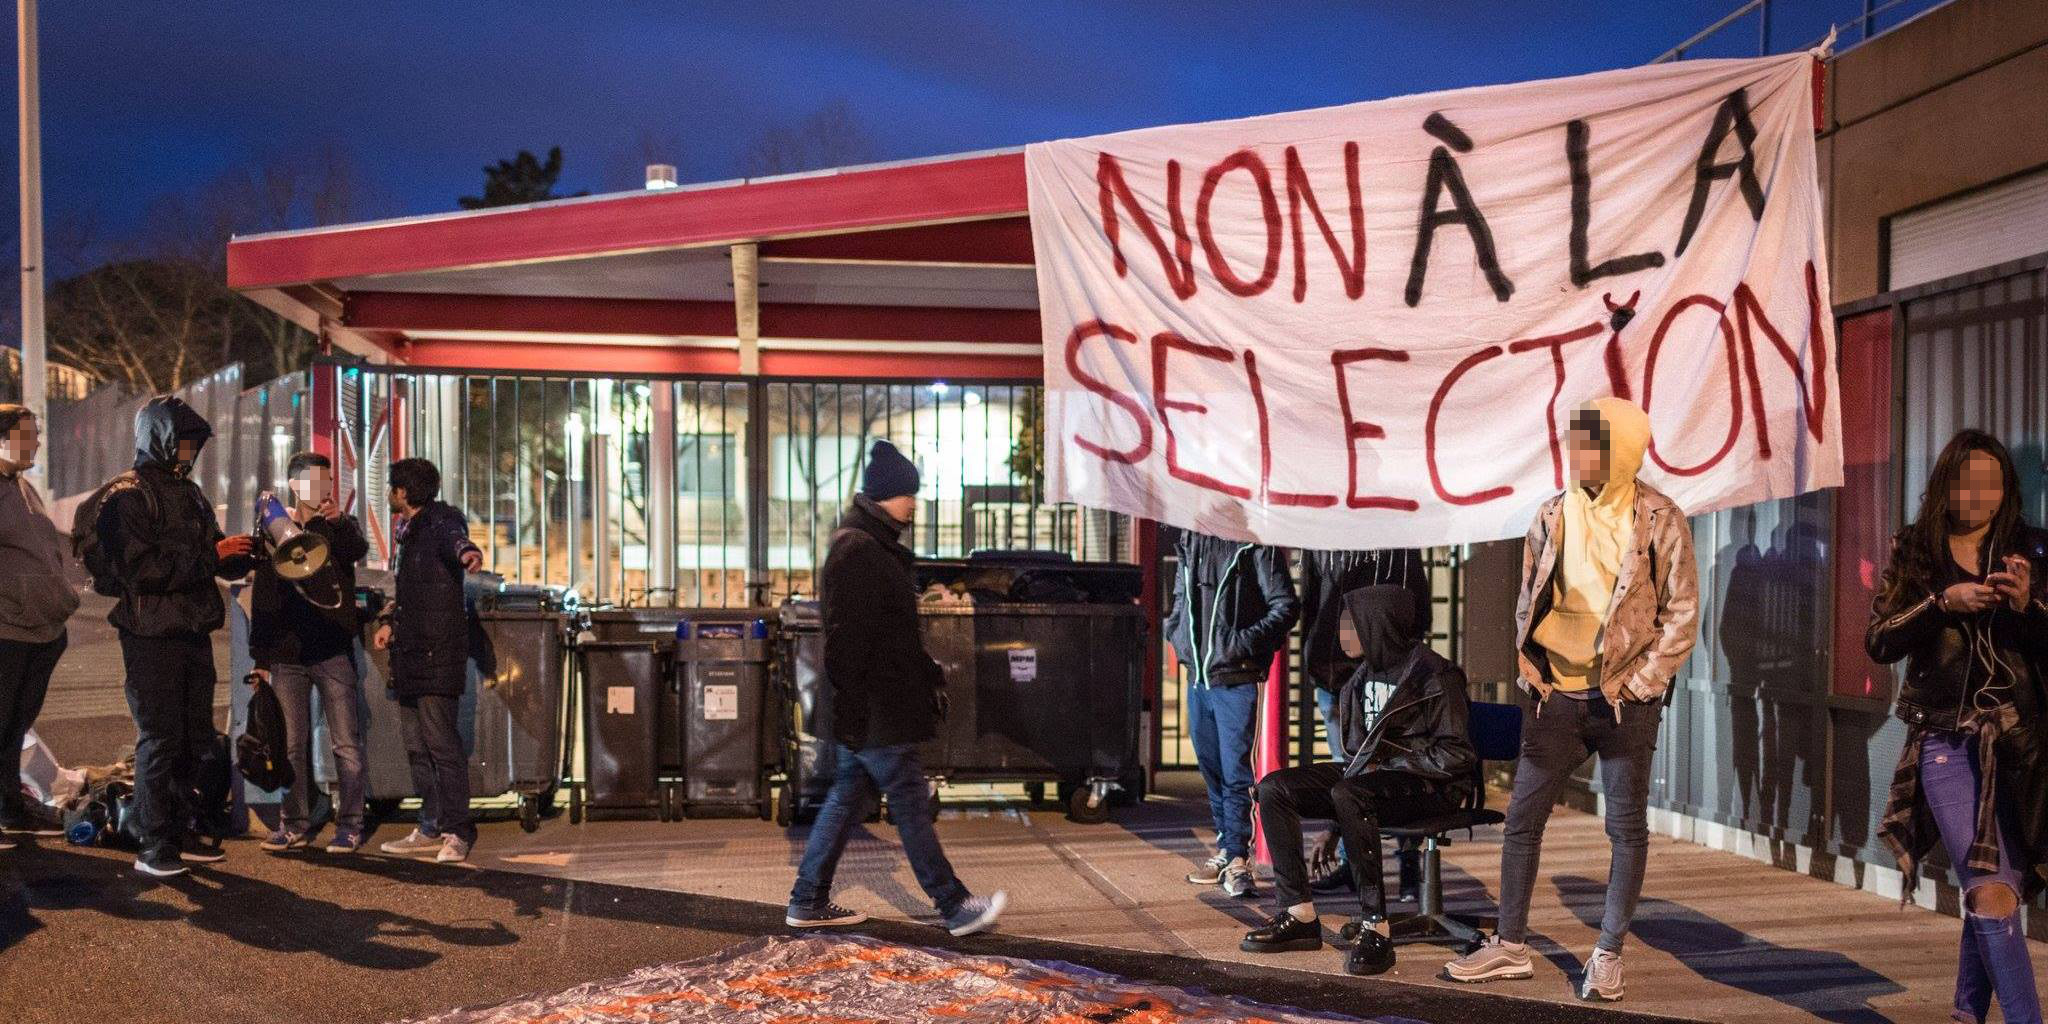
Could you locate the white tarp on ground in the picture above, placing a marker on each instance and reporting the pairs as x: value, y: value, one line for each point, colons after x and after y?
x: 1367, y: 325
x: 853, y: 978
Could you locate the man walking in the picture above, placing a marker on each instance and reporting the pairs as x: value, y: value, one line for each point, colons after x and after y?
x: 426, y: 628
x: 1233, y: 606
x: 164, y: 549
x: 36, y: 601
x: 887, y: 697
x: 300, y: 645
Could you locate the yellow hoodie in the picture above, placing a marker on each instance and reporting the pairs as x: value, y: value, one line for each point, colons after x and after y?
x: 1598, y: 529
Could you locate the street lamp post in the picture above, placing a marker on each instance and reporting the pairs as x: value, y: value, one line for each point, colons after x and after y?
x: 34, y: 390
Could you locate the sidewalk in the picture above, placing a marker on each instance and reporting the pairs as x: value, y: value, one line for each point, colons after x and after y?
x: 1718, y: 937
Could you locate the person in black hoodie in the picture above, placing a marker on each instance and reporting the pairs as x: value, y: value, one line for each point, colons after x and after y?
x: 160, y: 536
x: 1404, y: 716
x: 426, y: 628
x: 1233, y: 606
x: 887, y: 697
x: 302, y: 637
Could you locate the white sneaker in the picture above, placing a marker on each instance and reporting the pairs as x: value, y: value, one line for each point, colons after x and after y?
x: 453, y: 851
x: 1602, y: 982
x: 1493, y: 960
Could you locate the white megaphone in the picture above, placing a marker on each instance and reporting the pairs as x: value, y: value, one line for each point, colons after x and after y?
x: 297, y: 553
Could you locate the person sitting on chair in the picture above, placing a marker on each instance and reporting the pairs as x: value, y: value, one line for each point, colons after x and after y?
x: 1403, y: 716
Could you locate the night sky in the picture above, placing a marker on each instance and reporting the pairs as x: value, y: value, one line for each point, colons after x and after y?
x: 147, y: 99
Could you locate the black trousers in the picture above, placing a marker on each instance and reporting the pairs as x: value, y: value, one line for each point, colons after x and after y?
x: 170, y: 694
x: 25, y: 671
x: 1359, y: 805
x: 432, y: 731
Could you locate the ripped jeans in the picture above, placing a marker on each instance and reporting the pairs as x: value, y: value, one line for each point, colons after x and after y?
x: 1994, y: 956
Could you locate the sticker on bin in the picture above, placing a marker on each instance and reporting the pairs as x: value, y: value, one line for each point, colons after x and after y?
x: 721, y: 703
x: 1024, y: 665
x: 618, y: 700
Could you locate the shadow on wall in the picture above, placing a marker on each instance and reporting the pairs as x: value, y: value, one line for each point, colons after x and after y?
x: 1826, y: 984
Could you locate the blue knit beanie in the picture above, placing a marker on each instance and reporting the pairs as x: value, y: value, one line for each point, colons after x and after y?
x: 888, y: 474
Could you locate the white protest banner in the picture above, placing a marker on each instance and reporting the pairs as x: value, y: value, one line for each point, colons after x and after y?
x: 1367, y: 325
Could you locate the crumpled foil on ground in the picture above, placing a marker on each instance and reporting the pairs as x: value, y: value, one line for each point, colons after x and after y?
x: 853, y: 979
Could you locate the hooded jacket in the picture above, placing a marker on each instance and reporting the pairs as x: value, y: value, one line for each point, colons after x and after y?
x: 1326, y: 577
x: 36, y: 596
x: 1423, y: 729
x: 1233, y: 607
x: 1651, y: 618
x: 162, y: 545
x: 429, y: 618
x: 884, y: 685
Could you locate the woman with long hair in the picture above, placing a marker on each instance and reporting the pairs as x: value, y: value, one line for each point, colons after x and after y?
x: 1961, y: 603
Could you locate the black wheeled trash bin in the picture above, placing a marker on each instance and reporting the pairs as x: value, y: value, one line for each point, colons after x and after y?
x: 728, y: 722
x: 622, y: 681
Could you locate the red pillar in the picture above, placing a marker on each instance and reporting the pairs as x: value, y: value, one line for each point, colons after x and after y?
x: 1153, y: 687
x: 1272, y: 752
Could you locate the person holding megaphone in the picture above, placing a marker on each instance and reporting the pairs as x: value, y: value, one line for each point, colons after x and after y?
x: 302, y: 631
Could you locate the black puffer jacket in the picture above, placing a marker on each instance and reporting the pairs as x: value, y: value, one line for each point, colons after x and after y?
x: 161, y: 544
x: 884, y: 686
x: 1424, y: 728
x: 430, y: 634
x: 1233, y: 606
x: 1326, y: 576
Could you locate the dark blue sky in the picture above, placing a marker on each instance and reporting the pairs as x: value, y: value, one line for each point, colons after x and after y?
x: 151, y: 99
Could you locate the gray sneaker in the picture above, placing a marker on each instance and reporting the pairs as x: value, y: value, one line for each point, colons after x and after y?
x: 1210, y: 871
x: 831, y: 915
x: 453, y: 851
x: 1602, y: 982
x: 1237, y: 878
x: 1493, y: 960
x: 978, y: 914
x: 417, y: 844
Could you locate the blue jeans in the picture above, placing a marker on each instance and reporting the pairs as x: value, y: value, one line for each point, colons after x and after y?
x: 432, y: 731
x: 1994, y: 957
x: 1222, y: 720
x: 340, y: 692
x: 896, y: 772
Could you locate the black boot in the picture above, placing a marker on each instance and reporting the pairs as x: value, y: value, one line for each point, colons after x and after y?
x: 1285, y: 933
x: 1371, y: 954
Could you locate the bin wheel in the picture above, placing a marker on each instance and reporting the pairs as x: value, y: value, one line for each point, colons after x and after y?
x: 383, y: 809
x: 1086, y: 807
x: 575, y: 805
x: 1036, y: 791
x: 785, y: 806
x: 529, y: 812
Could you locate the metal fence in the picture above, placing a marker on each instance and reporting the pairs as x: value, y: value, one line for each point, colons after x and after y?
x: 699, y: 492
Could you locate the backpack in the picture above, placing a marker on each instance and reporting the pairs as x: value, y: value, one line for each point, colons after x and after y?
x: 260, y: 750
x: 85, y: 531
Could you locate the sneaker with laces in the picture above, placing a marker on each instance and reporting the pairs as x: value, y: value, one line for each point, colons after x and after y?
x: 1495, y: 959
x: 1285, y: 933
x: 830, y: 915
x: 1602, y: 982
x: 158, y: 866
x: 345, y: 840
x: 283, y: 840
x: 31, y: 820
x: 453, y: 851
x: 1210, y: 871
x: 202, y: 851
x: 413, y: 845
x: 1237, y: 879
x: 977, y: 914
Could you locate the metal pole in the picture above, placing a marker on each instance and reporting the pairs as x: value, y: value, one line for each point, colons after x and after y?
x: 1764, y: 34
x: 34, y: 390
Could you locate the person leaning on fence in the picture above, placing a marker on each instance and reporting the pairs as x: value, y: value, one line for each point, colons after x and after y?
x: 300, y: 646
x: 1608, y: 613
x: 161, y: 544
x: 36, y: 601
x: 1961, y: 602
x: 1403, y: 715
x: 887, y: 697
x: 426, y: 629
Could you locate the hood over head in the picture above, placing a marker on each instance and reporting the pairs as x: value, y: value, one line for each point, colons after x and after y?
x: 1386, y: 622
x: 160, y: 424
x: 1625, y: 427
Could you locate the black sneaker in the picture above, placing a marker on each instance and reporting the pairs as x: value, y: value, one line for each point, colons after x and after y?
x: 160, y: 866
x: 1371, y: 954
x: 201, y: 851
x: 1285, y: 933
x: 31, y: 821
x: 831, y: 915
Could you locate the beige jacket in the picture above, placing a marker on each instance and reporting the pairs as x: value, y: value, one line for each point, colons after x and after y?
x: 1653, y: 621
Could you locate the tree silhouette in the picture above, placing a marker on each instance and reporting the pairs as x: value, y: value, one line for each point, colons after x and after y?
x: 522, y: 179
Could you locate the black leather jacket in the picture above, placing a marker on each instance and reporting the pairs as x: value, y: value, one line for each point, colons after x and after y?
x: 1326, y: 576
x: 1424, y: 729
x: 1233, y: 607
x: 1943, y: 674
